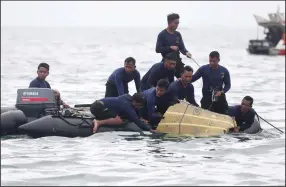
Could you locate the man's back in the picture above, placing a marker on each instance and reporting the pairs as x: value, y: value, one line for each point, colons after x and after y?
x: 154, y: 74
x: 121, y: 105
x: 155, y: 66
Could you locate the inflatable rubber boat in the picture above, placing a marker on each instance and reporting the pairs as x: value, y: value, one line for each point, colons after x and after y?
x: 37, y: 114
x: 184, y: 119
x: 31, y: 104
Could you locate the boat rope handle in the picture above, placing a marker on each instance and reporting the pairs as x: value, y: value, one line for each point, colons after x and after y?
x: 182, y: 118
x: 76, y: 125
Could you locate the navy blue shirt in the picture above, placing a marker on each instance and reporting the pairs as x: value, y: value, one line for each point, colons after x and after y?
x: 244, y: 121
x: 121, y: 78
x: 152, y: 101
x: 155, y: 73
x: 122, y: 105
x: 165, y: 40
x: 213, y: 78
x: 37, y: 83
x: 178, y: 91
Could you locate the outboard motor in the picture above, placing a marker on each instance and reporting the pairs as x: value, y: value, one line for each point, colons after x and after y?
x: 36, y: 102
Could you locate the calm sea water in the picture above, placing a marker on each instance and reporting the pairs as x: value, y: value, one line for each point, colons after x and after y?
x: 81, y: 59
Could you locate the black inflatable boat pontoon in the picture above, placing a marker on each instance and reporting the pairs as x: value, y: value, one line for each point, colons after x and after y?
x: 31, y: 104
x: 37, y: 114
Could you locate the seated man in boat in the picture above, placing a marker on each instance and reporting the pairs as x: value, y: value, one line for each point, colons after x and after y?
x: 111, y: 110
x: 183, y: 88
x: 154, y: 96
x: 243, y: 114
x: 117, y: 83
x: 161, y: 70
x: 216, y: 82
x: 40, y: 81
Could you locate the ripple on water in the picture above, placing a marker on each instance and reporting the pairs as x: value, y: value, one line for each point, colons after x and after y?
x: 80, y: 66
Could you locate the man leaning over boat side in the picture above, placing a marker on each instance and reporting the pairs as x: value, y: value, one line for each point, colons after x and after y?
x: 243, y: 114
x: 117, y: 83
x: 40, y: 82
x: 170, y: 40
x: 161, y: 70
x: 216, y: 83
x: 112, y: 111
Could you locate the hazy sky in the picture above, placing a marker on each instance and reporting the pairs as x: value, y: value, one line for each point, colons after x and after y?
x: 134, y: 14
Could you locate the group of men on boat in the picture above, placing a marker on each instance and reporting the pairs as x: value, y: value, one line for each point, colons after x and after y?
x: 158, y: 89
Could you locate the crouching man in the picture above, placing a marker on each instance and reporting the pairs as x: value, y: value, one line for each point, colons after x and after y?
x: 112, y: 111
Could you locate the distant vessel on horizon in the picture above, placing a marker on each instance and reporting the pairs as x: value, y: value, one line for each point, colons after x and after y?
x: 274, y: 29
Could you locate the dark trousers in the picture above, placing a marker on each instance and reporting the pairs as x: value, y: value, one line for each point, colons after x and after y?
x: 100, y: 112
x: 220, y: 106
x: 179, y: 68
x: 111, y: 89
x: 152, y: 122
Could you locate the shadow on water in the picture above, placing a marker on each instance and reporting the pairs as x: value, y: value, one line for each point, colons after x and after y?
x: 10, y: 137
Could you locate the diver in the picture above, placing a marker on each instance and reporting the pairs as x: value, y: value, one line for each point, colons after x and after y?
x: 113, y: 111
x: 161, y: 70
x: 216, y: 83
x: 117, y: 83
x: 183, y: 88
x: 170, y: 40
x: 154, y: 97
x: 243, y: 114
x: 40, y: 82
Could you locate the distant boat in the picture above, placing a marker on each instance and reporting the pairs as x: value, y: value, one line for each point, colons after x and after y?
x: 274, y: 29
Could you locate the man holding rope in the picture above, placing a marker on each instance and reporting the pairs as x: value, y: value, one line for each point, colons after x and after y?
x: 216, y: 82
x: 170, y: 40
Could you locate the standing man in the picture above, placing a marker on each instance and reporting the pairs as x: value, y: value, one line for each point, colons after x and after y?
x: 170, y: 40
x: 216, y: 82
x: 117, y: 83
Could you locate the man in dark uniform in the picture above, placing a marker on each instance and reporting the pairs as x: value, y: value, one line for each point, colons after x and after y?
x: 243, y: 114
x: 170, y: 40
x: 183, y: 88
x: 111, y: 110
x: 162, y: 70
x: 117, y: 83
x: 216, y: 82
x: 154, y: 98
x: 40, y: 82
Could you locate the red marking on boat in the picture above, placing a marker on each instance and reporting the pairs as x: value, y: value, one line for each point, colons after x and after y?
x: 281, y: 52
x: 34, y: 99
